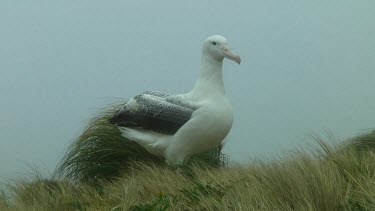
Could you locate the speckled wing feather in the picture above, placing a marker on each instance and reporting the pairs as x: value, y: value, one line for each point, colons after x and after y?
x: 154, y: 111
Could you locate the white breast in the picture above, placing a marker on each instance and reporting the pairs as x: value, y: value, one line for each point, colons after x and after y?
x: 208, y: 127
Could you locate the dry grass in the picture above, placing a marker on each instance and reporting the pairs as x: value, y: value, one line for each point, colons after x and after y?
x: 332, y: 177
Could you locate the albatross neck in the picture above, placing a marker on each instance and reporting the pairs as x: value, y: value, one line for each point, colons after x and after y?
x: 210, y: 79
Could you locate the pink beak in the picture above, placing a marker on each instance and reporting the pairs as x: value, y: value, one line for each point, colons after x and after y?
x: 232, y: 56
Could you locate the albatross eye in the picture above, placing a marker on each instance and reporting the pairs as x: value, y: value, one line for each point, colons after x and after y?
x: 213, y: 43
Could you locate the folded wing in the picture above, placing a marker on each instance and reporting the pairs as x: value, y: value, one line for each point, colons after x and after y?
x: 154, y: 111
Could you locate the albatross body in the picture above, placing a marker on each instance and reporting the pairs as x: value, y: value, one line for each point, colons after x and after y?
x: 179, y: 126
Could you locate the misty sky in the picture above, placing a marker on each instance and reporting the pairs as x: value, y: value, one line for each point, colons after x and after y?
x: 307, y: 67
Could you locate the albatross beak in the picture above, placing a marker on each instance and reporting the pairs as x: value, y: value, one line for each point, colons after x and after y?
x: 232, y: 56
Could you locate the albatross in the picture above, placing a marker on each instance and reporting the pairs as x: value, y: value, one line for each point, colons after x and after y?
x: 177, y: 126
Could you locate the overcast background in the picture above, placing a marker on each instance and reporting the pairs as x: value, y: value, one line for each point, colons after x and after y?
x: 307, y: 67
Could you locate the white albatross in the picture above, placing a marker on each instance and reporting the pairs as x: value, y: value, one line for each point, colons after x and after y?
x: 179, y: 126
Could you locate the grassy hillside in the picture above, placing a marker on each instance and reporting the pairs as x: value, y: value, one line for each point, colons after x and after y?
x: 332, y: 177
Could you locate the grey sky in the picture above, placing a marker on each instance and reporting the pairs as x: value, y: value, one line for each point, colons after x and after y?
x: 307, y: 66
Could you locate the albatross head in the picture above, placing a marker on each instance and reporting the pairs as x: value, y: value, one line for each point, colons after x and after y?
x: 217, y: 47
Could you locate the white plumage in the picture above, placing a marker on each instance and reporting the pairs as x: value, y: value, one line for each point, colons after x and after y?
x: 179, y: 126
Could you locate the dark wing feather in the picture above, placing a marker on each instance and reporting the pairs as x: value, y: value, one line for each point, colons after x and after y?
x: 153, y: 112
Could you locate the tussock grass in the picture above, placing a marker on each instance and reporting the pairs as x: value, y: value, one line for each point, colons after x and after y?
x: 100, y: 153
x: 331, y: 177
x: 363, y: 142
x: 3, y: 200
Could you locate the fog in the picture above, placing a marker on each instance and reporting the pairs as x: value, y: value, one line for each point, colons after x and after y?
x: 307, y: 67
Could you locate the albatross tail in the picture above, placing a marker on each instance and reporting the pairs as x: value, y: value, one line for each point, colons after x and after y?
x: 153, y: 142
